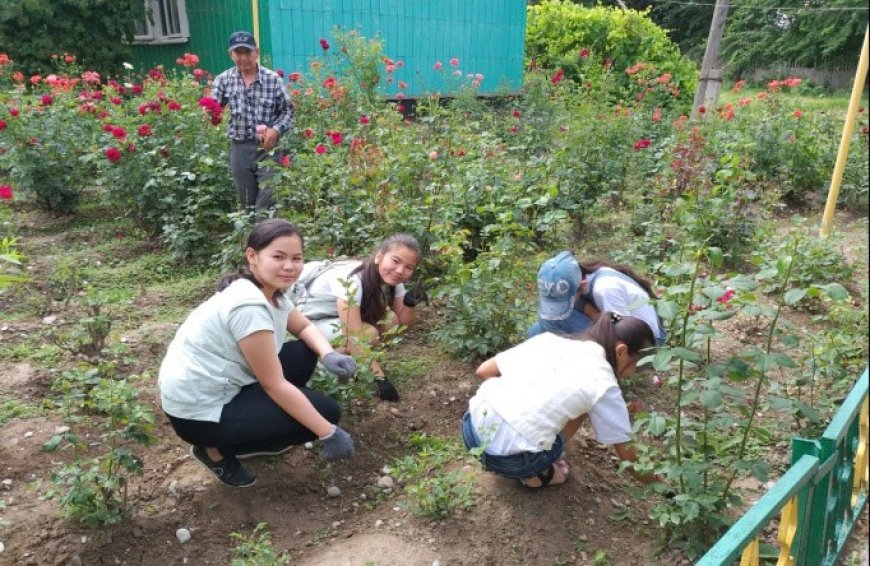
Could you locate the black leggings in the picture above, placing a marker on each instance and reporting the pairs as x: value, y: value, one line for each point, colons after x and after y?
x: 253, y: 422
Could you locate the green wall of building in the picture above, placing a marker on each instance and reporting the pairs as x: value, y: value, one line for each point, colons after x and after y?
x: 487, y: 36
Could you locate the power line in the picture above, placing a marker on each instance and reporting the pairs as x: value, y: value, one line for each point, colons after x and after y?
x: 770, y: 8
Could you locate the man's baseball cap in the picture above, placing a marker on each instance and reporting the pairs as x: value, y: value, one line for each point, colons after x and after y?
x: 242, y: 39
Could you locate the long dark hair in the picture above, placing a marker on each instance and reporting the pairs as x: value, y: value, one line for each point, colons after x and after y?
x: 612, y: 328
x: 263, y: 234
x: 595, y: 264
x: 375, y: 300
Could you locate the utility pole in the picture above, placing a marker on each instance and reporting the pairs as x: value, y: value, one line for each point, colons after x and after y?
x: 710, y: 81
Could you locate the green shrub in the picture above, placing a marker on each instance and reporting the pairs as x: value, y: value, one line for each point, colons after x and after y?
x: 488, y: 307
x: 100, y: 32
x: 590, y: 44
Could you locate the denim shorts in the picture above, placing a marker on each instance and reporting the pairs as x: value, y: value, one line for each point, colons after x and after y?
x: 519, y: 466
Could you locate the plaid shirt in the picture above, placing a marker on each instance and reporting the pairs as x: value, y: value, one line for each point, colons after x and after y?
x: 265, y: 101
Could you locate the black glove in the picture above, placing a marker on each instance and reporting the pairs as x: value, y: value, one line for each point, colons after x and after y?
x: 336, y: 446
x: 415, y: 296
x: 386, y: 390
x: 341, y: 365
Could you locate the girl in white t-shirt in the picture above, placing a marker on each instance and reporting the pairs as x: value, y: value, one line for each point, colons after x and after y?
x: 232, y: 387
x: 354, y: 302
x: 535, y: 396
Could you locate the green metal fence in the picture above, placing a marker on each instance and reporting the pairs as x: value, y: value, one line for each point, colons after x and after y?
x: 820, y: 496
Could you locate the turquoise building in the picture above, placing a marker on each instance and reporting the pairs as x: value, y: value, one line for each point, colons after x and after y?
x: 486, y: 37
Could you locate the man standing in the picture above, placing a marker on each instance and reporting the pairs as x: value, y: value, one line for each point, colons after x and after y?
x: 260, y: 112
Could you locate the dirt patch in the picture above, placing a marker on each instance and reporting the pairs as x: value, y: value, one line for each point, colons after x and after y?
x: 593, y: 513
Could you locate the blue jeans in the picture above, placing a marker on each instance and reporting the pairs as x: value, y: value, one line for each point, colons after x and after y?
x: 517, y: 466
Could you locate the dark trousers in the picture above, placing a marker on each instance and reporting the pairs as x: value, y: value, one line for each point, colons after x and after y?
x: 252, y: 422
x: 251, y: 168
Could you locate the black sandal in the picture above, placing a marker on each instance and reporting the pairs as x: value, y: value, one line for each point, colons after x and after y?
x: 545, y: 476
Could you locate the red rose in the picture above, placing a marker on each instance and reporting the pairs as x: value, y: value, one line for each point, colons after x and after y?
x: 143, y: 131
x: 642, y: 144
x: 324, y: 44
x: 112, y: 154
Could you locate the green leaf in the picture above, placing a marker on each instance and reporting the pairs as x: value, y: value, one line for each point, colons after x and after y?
x: 713, y: 292
x: 686, y: 354
x: 807, y: 412
x: 52, y: 443
x: 711, y: 399
x: 657, y: 425
x: 662, y: 359
x: 794, y: 296
x: 835, y: 291
x: 715, y: 256
x: 760, y: 470
x: 668, y: 310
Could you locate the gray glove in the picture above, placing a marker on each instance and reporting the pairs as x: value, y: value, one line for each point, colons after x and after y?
x: 336, y: 446
x: 341, y: 365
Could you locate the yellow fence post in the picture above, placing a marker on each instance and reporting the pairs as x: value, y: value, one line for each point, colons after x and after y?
x: 848, y: 129
x: 255, y: 17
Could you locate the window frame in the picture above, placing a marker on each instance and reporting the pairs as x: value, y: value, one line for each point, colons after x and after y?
x: 153, y: 34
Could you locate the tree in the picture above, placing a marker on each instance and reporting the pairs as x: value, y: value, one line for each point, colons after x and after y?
x: 764, y: 33
x: 98, y: 32
x: 811, y: 33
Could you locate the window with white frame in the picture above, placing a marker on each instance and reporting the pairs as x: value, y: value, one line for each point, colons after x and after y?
x: 165, y: 21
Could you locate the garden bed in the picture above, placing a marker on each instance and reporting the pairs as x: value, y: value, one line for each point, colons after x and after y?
x: 595, y: 518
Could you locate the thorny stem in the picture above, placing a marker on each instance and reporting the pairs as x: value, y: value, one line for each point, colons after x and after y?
x: 681, y: 374
x: 756, y: 399
x: 705, y: 446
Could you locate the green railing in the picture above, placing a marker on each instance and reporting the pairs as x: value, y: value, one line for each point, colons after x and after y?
x: 820, y: 496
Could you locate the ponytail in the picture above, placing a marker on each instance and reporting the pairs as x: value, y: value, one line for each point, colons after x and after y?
x: 242, y: 273
x: 612, y: 328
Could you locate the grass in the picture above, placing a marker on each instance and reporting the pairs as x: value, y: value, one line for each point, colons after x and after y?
x: 805, y: 99
x: 11, y: 408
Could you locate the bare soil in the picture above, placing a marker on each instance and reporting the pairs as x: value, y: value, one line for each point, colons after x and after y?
x: 594, y: 511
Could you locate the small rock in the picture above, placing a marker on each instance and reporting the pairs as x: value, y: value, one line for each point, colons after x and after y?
x: 49, y: 319
x: 309, y: 446
x: 28, y: 434
x: 183, y: 535
x: 436, y: 563
x: 137, y: 532
x: 385, y: 482
x: 7, y: 483
x: 394, y: 410
x: 386, y: 470
x: 333, y: 491
x: 75, y: 561
x: 336, y: 524
x: 2, y: 547
x: 379, y: 523
x: 61, y: 429
x: 173, y: 487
